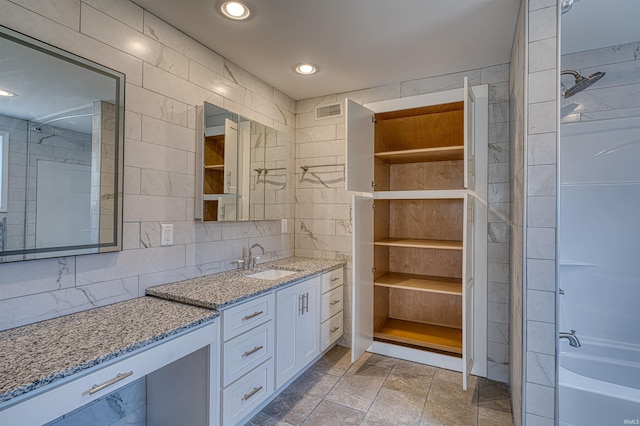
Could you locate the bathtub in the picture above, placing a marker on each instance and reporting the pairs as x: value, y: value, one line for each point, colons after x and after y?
x: 599, y: 384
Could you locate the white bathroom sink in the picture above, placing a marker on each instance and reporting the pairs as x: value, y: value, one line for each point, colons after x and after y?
x: 272, y: 274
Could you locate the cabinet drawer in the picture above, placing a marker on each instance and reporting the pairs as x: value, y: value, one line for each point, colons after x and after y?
x: 239, y: 399
x: 331, y: 303
x: 247, y: 351
x: 246, y: 316
x: 332, y: 279
x: 73, y: 393
x: 331, y: 331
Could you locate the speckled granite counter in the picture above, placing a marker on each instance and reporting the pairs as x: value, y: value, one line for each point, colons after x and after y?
x: 219, y: 291
x: 38, y: 354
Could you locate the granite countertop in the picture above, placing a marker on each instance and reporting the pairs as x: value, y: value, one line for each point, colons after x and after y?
x: 219, y: 291
x: 38, y: 354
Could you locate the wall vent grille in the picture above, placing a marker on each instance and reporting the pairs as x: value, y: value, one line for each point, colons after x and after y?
x: 328, y: 111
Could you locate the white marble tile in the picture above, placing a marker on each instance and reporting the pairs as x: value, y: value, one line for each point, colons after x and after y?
x: 374, y: 94
x: 309, y: 105
x: 499, y: 113
x: 499, y: 212
x: 112, y: 266
x: 541, y: 369
x: 316, y: 134
x: 166, y: 184
x: 541, y: 180
x: 542, y: 117
x: 597, y: 99
x: 160, y: 132
x: 284, y: 101
x: 220, y: 251
x: 541, y: 243
x: 130, y: 235
x: 66, y: 12
x: 542, y: 86
x: 124, y: 11
x: 40, y: 276
x: 498, y: 372
x: 318, y: 149
x: 208, y: 231
x: 542, y: 24
x: 541, y: 306
x: 172, y: 86
x: 540, y: 4
x: 272, y: 110
x: 246, y: 79
x: 314, y: 227
x: 112, y: 32
x: 150, y: 156
x: 175, y: 275
x: 541, y: 337
x: 498, y: 252
x: 542, y: 55
x: 308, y: 119
x: 499, y: 92
x: 541, y: 274
x: 498, y: 352
x: 498, y: 312
x: 498, y: 232
x: 606, y: 115
x: 541, y: 212
x: 497, y: 332
x: 152, y: 104
x: 34, y: 25
x: 215, y: 82
x: 533, y: 420
x: 617, y: 74
x: 494, y: 74
x: 540, y: 400
x: 498, y: 292
x: 498, y: 192
x: 439, y: 83
x: 606, y: 55
x: 153, y: 208
x: 498, y: 133
x: 249, y: 229
x: 180, y: 42
x: 499, y: 172
x: 131, y: 180
x: 542, y: 149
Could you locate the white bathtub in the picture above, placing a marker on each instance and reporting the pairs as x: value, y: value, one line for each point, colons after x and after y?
x: 600, y: 384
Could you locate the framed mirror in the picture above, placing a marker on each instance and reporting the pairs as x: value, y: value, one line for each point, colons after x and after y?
x: 61, y: 148
x: 241, y: 168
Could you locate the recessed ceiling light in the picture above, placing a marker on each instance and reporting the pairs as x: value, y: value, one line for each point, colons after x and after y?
x: 306, y: 69
x: 7, y: 93
x: 234, y: 10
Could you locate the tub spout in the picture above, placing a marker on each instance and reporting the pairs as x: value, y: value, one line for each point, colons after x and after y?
x: 573, y: 339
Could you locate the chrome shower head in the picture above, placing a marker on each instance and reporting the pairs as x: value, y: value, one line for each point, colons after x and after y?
x: 581, y: 82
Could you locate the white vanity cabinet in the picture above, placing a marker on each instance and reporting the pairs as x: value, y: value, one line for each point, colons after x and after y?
x: 418, y: 166
x: 247, y: 362
x: 298, y: 328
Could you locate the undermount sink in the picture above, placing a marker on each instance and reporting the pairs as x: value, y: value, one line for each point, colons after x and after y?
x: 272, y: 274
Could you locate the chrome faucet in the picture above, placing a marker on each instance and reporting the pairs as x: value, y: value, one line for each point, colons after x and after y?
x: 252, y: 259
x: 573, y: 339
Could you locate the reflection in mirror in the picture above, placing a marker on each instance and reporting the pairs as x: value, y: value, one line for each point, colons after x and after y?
x: 243, y: 166
x: 61, y: 143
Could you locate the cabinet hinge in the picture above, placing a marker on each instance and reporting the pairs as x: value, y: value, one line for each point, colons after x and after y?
x: 373, y: 119
x: 373, y: 270
x: 373, y: 205
x: 373, y: 184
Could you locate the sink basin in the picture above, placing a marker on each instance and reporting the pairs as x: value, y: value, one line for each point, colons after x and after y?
x: 272, y: 274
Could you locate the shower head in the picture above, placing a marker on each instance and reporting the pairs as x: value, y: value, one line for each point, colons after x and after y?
x: 581, y: 82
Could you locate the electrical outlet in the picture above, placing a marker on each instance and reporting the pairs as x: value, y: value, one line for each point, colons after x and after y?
x: 284, y: 225
x: 166, y: 235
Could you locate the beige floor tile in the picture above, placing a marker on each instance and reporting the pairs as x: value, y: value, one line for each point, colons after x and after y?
x: 410, y: 377
x: 359, y: 386
x: 392, y: 407
x: 448, y: 404
x: 487, y: 417
x: 337, y: 361
x: 379, y: 360
x: 328, y: 413
x: 262, y: 419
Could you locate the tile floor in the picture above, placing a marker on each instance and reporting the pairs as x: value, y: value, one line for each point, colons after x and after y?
x: 379, y: 390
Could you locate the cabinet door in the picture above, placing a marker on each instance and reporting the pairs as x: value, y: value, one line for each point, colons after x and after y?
x: 288, y: 306
x: 469, y: 142
x: 230, y: 157
x: 362, y: 300
x: 308, y: 332
x: 468, y: 266
x: 359, y: 139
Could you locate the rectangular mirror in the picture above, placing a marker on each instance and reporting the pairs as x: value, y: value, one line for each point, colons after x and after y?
x: 61, y: 146
x: 241, y: 168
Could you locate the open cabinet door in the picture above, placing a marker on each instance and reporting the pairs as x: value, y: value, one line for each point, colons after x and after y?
x: 230, y: 157
x: 359, y: 140
x: 362, y: 300
x: 198, y: 211
x: 468, y: 289
x: 469, y: 141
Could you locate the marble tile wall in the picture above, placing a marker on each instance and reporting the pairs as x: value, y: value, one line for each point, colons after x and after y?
x: 541, y: 124
x: 168, y: 74
x: 616, y: 95
x: 323, y: 225
x: 516, y: 224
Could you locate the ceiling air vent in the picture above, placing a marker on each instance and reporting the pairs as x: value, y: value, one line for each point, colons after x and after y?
x: 328, y: 111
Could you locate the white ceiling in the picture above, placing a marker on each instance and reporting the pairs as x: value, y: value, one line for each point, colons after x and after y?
x: 357, y: 44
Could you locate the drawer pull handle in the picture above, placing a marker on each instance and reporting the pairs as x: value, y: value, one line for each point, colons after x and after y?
x: 120, y: 376
x: 334, y: 329
x: 253, y: 315
x: 250, y: 394
x: 252, y: 351
x: 334, y: 279
x: 334, y: 302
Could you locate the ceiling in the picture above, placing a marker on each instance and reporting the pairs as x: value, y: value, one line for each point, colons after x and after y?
x: 356, y: 44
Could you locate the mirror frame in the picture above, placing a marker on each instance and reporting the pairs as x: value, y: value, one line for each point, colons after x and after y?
x: 119, y: 96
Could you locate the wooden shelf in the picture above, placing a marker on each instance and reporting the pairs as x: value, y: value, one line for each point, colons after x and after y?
x: 215, y: 167
x: 426, y: 283
x: 445, y: 153
x: 424, y: 335
x: 433, y: 244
